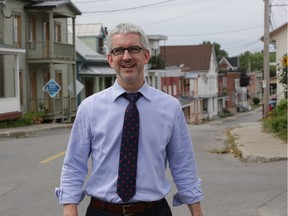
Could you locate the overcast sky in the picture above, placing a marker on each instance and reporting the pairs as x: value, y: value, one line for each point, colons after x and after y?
x: 236, y: 25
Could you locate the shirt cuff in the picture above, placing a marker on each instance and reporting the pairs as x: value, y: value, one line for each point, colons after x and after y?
x: 65, y: 197
x: 189, y: 196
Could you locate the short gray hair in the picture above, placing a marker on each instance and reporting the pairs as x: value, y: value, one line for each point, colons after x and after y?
x: 125, y: 28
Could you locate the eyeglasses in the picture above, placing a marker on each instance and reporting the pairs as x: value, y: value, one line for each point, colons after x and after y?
x: 121, y: 50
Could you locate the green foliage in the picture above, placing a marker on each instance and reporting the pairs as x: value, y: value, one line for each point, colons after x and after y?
x: 25, y: 120
x: 277, y: 121
x: 156, y: 62
x: 283, y: 72
x: 217, y: 47
x: 256, y: 100
x: 254, y: 62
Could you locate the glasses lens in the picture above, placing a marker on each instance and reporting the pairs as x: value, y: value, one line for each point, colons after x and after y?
x: 118, y: 51
x: 131, y: 50
x: 134, y: 50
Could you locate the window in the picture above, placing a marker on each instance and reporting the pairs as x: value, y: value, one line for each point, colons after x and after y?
x: 237, y: 83
x: 57, y: 32
x: 32, y: 33
x: 17, y: 31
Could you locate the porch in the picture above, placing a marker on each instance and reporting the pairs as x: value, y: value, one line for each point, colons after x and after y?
x: 59, y: 109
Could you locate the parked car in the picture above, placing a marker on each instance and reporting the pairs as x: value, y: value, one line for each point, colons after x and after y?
x: 272, y: 104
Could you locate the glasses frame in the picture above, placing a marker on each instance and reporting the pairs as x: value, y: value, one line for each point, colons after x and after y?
x: 129, y: 49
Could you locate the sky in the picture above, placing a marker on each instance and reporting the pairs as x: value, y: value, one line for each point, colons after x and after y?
x: 237, y: 25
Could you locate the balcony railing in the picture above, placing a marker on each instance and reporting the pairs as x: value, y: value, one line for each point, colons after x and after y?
x: 55, y: 109
x: 41, y: 50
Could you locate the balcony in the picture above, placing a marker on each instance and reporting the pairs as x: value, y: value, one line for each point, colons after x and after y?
x: 55, y: 109
x: 37, y: 50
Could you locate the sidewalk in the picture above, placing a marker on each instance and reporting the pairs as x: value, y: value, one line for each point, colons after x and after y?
x: 254, y: 143
x: 257, y: 145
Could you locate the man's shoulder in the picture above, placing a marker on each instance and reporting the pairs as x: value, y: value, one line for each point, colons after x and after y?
x: 160, y: 95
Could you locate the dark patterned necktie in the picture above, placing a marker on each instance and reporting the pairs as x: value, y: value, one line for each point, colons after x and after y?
x: 126, y: 185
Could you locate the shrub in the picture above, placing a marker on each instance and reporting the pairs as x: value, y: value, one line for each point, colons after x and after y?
x: 277, y: 121
x: 256, y: 100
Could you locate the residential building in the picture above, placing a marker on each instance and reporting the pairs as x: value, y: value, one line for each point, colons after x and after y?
x: 93, y: 70
x: 279, y: 38
x: 200, y: 85
x: 40, y: 28
x: 93, y: 35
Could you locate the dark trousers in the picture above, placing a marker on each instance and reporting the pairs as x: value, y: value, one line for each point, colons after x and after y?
x: 162, y: 209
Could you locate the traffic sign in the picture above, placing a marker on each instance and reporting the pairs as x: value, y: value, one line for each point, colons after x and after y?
x: 51, y: 88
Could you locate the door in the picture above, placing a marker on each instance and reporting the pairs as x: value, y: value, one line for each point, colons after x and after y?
x: 33, y: 96
x: 46, y: 40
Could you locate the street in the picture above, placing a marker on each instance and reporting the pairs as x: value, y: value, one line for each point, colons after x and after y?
x: 30, y: 170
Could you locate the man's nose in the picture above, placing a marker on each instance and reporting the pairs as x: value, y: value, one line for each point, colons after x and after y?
x: 126, y: 54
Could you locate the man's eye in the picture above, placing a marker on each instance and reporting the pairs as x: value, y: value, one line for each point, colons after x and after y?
x: 134, y: 50
x: 118, y: 51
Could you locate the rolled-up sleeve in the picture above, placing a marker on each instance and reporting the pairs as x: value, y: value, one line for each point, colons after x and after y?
x: 75, y: 168
x: 182, y: 164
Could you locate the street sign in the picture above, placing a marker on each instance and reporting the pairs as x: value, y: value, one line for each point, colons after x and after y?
x: 79, y: 87
x: 51, y: 88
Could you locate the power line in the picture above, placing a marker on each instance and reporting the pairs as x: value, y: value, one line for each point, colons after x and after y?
x: 217, y: 33
x: 127, y: 9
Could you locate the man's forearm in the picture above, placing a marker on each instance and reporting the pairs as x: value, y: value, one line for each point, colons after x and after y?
x: 70, y: 210
x: 195, y: 209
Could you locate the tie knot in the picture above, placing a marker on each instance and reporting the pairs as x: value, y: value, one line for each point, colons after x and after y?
x: 132, y: 97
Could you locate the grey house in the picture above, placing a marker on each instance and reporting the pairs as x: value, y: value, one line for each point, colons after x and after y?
x: 40, y: 28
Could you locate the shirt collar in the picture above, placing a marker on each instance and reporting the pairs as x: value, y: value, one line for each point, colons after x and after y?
x: 117, y: 90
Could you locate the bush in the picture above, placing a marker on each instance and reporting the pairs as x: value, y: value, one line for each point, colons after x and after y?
x: 25, y: 120
x: 256, y: 100
x: 277, y: 121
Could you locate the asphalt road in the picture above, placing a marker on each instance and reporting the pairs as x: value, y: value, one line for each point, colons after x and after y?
x: 30, y: 170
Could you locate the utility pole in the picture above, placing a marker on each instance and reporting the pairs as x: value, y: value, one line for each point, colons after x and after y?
x: 266, y: 77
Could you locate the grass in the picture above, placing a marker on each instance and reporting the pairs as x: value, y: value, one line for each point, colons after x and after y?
x: 230, y: 147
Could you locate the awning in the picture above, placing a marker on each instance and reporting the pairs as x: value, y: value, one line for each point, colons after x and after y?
x: 94, y: 70
x: 10, y: 50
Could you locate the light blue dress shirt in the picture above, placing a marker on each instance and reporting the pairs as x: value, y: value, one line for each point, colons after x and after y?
x: 163, y: 139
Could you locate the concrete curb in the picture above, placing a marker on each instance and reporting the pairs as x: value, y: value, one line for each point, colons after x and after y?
x: 257, y: 145
x: 29, y: 130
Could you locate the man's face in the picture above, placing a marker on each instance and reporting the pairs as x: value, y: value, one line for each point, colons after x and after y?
x: 128, y: 66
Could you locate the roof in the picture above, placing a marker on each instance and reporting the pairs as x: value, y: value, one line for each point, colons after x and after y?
x: 281, y: 28
x: 92, y: 29
x: 87, y: 53
x: 97, y: 70
x: 53, y: 4
x: 157, y: 37
x: 231, y: 61
x: 193, y: 57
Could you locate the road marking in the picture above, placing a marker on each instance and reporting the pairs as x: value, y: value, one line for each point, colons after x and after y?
x: 53, y: 157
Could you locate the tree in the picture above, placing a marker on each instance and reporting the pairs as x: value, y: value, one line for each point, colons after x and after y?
x: 156, y: 62
x: 217, y: 47
x: 250, y: 62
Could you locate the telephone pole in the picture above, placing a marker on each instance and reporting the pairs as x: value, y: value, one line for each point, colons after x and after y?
x: 266, y: 60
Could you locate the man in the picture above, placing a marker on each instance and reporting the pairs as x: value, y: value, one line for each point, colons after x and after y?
x: 160, y: 135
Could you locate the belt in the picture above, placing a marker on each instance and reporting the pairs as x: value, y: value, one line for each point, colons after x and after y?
x: 129, y: 209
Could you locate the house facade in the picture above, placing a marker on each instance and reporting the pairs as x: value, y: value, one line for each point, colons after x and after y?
x: 280, y: 39
x: 40, y: 28
x: 200, y: 85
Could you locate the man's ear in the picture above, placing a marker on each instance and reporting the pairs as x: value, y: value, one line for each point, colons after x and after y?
x: 110, y: 60
x: 147, y: 56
